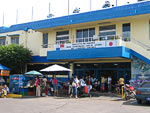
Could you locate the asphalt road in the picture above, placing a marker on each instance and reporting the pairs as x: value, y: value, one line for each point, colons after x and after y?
x: 102, y: 104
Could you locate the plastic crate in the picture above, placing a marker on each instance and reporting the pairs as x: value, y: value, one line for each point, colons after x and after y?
x: 24, y: 90
x: 24, y: 93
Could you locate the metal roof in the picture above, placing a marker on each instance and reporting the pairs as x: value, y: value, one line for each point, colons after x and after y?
x: 109, y: 13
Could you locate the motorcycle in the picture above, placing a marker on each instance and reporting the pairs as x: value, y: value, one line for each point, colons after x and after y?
x: 129, y: 92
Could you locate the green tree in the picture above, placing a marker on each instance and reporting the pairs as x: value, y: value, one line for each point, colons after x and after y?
x: 15, y: 57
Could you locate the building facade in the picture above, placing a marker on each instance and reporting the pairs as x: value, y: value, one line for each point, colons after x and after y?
x: 113, y: 41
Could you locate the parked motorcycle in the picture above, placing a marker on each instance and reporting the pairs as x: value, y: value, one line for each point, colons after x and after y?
x: 129, y: 92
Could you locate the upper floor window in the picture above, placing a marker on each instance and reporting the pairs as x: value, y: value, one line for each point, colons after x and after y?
x: 85, y: 35
x: 2, y: 41
x: 62, y: 37
x: 45, y: 40
x: 15, y: 40
x: 107, y: 32
x: 126, y: 31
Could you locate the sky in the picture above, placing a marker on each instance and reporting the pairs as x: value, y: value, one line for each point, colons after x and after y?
x: 9, y: 9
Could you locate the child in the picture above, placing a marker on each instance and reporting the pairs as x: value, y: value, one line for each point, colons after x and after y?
x: 5, y: 91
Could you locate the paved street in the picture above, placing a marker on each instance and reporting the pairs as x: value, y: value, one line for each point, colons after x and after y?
x: 102, y: 104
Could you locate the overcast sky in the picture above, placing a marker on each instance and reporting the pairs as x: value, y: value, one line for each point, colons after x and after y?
x: 41, y: 8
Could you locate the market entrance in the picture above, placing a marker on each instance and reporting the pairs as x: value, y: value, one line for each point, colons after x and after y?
x: 97, y: 70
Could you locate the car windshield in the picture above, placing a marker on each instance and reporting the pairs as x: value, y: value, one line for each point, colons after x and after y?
x: 146, y: 85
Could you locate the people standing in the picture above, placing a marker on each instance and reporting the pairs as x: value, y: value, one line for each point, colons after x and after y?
x: 45, y: 84
x: 75, y: 85
x: 38, y: 88
x: 121, y: 83
x: 70, y: 90
x: 109, y: 82
x: 55, y: 86
x: 89, y: 83
x: 102, y: 84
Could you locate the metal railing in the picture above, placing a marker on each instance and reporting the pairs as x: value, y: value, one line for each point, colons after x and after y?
x: 141, y: 44
x: 83, y: 40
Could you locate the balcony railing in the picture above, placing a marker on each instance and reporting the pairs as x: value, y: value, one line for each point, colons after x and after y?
x: 88, y: 42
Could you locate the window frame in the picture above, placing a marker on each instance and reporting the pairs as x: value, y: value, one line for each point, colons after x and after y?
x: 4, y: 41
x: 107, y: 32
x: 126, y: 32
x: 62, y: 37
x: 84, y: 38
x: 45, y: 45
x: 16, y: 40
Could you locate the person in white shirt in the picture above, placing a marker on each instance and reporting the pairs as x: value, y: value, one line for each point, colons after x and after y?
x: 82, y: 82
x: 109, y: 80
x: 75, y: 85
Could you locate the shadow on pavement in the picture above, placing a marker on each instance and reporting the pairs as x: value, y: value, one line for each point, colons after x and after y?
x: 120, y: 99
x: 134, y: 103
x: 66, y: 96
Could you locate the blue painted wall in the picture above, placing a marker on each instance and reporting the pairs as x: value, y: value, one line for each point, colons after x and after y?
x: 38, y: 59
x: 107, y: 52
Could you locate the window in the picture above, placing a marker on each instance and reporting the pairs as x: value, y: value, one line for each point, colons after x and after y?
x: 15, y: 40
x: 45, y: 40
x: 85, y: 35
x: 126, y: 32
x: 107, y: 32
x: 62, y: 37
x: 2, y: 41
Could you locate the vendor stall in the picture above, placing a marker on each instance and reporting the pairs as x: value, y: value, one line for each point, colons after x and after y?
x: 21, y: 84
x: 4, y: 75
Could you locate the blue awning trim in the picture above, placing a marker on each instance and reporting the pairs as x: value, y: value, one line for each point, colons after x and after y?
x: 39, y: 59
x: 14, y: 35
x: 107, y: 52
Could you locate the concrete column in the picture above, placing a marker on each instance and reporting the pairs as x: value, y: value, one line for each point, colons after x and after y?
x: 71, y: 66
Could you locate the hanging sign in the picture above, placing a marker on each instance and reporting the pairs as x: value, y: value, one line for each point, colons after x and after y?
x: 5, y: 73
